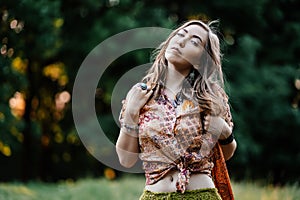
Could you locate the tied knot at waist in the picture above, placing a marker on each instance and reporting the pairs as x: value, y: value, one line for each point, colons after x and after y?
x: 183, y: 177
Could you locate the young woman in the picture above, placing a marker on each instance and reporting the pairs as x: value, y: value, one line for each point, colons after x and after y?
x: 178, y: 121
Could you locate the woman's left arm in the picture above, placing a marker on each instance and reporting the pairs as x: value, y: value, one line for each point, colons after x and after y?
x: 229, y: 149
x: 227, y: 141
x: 222, y: 129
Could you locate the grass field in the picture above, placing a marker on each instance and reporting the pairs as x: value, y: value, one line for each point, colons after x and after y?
x: 127, y: 188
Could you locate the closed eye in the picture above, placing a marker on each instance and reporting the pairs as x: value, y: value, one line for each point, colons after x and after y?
x: 180, y: 34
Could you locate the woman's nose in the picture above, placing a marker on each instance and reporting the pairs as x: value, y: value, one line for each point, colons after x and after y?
x: 181, y: 42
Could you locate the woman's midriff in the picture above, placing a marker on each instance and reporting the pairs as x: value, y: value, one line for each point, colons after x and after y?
x: 168, y: 183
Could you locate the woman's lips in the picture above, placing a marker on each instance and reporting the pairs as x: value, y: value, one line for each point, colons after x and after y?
x: 176, y: 49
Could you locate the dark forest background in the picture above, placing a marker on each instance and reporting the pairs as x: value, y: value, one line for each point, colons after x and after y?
x: 44, y: 42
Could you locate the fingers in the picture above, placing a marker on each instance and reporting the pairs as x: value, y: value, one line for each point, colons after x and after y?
x: 139, y: 92
x: 149, y: 92
x: 214, y: 124
x: 206, y: 121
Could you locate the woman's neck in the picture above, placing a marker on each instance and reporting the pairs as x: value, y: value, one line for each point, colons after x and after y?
x: 174, y: 80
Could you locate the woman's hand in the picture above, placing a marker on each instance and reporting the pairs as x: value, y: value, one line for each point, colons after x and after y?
x: 135, y: 100
x: 226, y: 131
x: 127, y: 145
x: 217, y: 125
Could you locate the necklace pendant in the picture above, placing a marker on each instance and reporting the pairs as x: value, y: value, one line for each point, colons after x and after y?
x: 179, y: 98
x: 175, y: 103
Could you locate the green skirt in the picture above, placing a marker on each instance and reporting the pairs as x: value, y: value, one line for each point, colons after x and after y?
x: 200, y: 194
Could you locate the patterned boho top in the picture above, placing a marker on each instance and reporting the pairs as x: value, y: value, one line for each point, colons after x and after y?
x: 172, y: 137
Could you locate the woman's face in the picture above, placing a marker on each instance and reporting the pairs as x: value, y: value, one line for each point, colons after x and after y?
x: 186, y: 47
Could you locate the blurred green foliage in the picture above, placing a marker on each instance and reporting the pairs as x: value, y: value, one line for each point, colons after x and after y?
x: 44, y: 43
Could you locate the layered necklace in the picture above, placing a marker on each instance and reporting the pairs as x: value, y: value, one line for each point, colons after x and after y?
x: 188, y: 82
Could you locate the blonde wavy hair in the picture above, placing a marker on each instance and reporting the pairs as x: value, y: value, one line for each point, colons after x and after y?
x: 208, y: 86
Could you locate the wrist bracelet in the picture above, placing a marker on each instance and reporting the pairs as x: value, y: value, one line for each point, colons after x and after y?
x: 129, y: 127
x: 228, y: 140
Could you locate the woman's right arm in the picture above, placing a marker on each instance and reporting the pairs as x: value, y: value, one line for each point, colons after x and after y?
x: 127, y: 146
x: 127, y: 143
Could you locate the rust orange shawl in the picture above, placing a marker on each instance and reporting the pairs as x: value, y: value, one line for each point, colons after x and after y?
x: 220, y: 174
